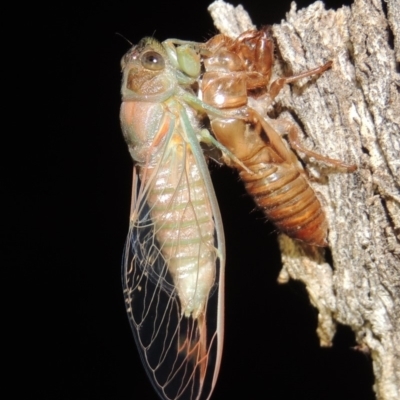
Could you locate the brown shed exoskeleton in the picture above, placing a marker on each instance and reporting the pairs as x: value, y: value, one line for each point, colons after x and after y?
x: 237, y: 80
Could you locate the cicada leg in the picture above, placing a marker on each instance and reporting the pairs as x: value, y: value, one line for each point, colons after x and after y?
x: 286, y: 127
x: 207, y: 138
x: 278, y: 84
x: 292, y: 132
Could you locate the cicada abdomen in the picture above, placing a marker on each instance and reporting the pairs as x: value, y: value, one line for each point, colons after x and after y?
x: 174, y: 255
x: 237, y: 81
x: 278, y: 186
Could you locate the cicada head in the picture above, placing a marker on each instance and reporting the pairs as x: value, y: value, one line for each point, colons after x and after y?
x: 147, y: 73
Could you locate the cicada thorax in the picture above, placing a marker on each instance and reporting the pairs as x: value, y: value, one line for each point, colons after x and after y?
x: 236, y: 68
x: 236, y: 72
x: 251, y: 53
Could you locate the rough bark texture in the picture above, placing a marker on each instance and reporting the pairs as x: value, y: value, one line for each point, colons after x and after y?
x: 351, y: 113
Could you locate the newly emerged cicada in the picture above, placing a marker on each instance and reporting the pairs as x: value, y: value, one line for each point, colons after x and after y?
x: 173, y: 267
x: 237, y: 80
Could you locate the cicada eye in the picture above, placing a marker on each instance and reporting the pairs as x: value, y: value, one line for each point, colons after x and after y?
x: 153, y: 61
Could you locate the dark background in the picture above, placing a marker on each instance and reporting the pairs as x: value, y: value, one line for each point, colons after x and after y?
x: 70, y: 187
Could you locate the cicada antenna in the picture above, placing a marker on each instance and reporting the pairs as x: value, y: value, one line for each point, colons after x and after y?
x: 123, y: 37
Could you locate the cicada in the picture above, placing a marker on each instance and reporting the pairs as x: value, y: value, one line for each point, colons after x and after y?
x: 237, y: 80
x: 173, y: 264
x: 173, y: 267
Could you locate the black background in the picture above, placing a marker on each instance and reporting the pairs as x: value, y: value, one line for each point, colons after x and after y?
x: 71, y: 187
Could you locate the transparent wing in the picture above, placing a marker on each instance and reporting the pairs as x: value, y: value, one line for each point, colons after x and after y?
x: 181, y: 353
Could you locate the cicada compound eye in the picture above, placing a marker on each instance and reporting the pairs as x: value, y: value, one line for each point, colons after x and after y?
x: 153, y: 61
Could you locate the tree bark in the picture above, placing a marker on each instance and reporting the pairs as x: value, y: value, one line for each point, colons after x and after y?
x: 351, y: 113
